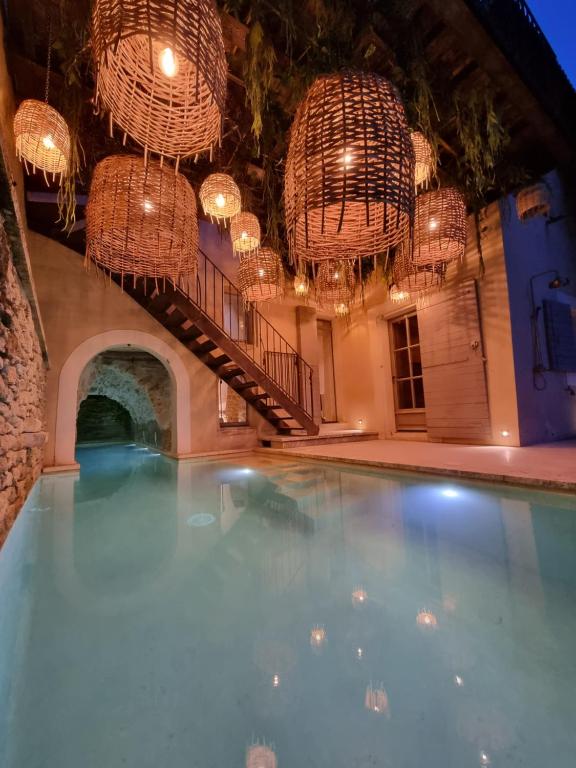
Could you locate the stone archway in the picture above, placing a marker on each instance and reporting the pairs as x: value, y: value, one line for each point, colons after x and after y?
x: 73, y: 368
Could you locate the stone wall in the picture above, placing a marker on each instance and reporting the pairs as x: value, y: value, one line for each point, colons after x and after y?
x: 22, y: 391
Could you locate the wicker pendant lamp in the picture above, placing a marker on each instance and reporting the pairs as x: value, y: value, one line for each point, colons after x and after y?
x: 40, y: 132
x: 141, y: 220
x: 349, y: 182
x: 424, y: 162
x: 220, y: 197
x: 42, y: 137
x: 533, y: 201
x: 245, y: 233
x: 301, y: 283
x: 335, y: 285
x: 397, y: 295
x: 161, y: 72
x: 439, y: 227
x: 260, y: 275
x: 413, y: 279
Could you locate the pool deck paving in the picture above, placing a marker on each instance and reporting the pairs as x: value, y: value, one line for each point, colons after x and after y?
x: 548, y: 465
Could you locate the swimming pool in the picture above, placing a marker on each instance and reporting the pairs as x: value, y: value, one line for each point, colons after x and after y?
x: 262, y: 613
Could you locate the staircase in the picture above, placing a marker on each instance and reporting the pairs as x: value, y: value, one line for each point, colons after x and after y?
x: 209, y: 316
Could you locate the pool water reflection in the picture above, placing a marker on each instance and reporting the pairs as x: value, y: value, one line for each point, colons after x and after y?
x: 276, y: 613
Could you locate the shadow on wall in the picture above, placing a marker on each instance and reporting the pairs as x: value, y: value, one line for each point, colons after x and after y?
x: 125, y: 395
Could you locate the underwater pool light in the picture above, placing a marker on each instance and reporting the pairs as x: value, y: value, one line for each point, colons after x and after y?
x: 450, y: 493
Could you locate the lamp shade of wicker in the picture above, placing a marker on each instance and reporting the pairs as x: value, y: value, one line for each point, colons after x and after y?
x: 220, y: 197
x: 141, y: 219
x: 533, y: 201
x: 161, y: 71
x: 439, y: 227
x: 42, y: 137
x: 301, y: 284
x: 335, y: 283
x: 397, y: 295
x: 414, y: 279
x: 424, y: 161
x: 260, y: 275
x: 245, y: 233
x: 349, y: 182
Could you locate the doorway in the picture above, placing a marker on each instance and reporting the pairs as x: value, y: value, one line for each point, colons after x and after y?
x: 326, y: 372
x: 410, y: 407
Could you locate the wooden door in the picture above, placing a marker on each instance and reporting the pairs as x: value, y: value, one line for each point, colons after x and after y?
x: 453, y: 366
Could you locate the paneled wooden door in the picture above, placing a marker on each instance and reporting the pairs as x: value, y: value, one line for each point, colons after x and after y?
x: 453, y: 366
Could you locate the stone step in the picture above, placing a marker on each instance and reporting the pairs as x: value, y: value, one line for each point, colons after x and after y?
x: 328, y: 438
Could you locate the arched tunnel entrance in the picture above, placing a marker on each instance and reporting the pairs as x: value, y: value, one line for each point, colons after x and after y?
x: 101, y: 419
x: 124, y: 395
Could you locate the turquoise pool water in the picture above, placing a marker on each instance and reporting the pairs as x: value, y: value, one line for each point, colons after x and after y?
x: 274, y: 613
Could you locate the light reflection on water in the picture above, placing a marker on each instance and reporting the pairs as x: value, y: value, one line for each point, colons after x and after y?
x: 194, y: 614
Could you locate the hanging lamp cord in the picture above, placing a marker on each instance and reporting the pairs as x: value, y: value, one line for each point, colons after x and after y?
x: 48, y: 59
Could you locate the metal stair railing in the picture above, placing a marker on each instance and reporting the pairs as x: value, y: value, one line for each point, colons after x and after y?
x: 221, y: 301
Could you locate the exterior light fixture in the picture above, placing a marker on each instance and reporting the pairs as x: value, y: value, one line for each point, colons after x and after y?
x: 220, y: 197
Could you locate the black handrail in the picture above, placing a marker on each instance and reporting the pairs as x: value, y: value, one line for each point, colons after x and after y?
x: 221, y: 301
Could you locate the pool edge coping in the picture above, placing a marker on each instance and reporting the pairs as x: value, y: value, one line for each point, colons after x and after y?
x: 464, y: 474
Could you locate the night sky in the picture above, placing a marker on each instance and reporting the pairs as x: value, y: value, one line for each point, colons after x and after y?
x: 558, y: 21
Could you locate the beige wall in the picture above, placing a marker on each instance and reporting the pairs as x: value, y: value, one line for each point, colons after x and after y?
x: 77, y: 305
x: 362, y: 351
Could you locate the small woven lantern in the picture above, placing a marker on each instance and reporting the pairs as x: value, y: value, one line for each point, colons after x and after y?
x: 141, y: 219
x: 349, y: 182
x: 161, y: 71
x: 220, y: 197
x: 245, y: 233
x: 533, y: 201
x: 397, y: 295
x: 411, y: 278
x: 439, y: 227
x: 424, y: 160
x: 301, y: 283
x: 335, y: 284
x: 260, y: 275
x: 42, y: 137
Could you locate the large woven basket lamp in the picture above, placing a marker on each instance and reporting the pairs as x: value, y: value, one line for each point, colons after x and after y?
x: 349, y: 182
x: 220, y: 197
x: 260, y: 275
x: 161, y: 72
x: 335, y: 285
x: 141, y: 220
x: 439, y: 227
x: 245, y: 233
x: 412, y: 279
x: 424, y: 159
x: 42, y: 137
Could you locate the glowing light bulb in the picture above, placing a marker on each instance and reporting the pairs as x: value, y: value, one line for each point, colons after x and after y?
x: 505, y: 433
x: 260, y: 272
x: 167, y: 61
x: 148, y: 206
x: 48, y: 142
x: 220, y: 200
x: 458, y: 681
x: 336, y: 275
x: 359, y: 653
x: 243, y: 235
x: 346, y: 158
x: 433, y: 224
x: 275, y: 681
x: 484, y: 758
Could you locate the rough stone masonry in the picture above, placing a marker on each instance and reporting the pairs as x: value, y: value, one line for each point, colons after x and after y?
x: 22, y: 393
